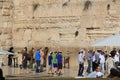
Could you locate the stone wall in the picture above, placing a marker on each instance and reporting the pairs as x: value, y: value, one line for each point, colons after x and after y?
x: 58, y: 24
x: 6, y: 23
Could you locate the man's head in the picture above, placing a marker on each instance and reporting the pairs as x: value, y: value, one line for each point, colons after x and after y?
x: 114, y: 73
x: 98, y: 69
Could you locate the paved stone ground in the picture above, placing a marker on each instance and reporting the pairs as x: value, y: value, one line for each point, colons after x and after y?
x: 17, y: 73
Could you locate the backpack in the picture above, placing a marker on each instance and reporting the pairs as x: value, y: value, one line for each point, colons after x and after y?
x: 28, y: 57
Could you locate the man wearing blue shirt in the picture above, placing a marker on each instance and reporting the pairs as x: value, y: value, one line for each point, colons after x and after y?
x: 59, y: 60
x: 50, y: 62
x: 37, y: 58
x: 89, y: 61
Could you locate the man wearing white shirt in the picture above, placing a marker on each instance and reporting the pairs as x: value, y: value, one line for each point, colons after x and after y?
x: 96, y: 74
x: 116, y: 58
x: 102, y: 61
x: 81, y: 63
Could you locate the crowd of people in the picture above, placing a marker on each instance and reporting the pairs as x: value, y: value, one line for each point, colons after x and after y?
x: 55, y: 59
x: 37, y: 57
x: 100, y: 63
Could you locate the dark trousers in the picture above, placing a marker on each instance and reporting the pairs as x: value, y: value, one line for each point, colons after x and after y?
x: 94, y: 66
x: 24, y: 64
x: 117, y: 63
x: 37, y: 66
x: 81, y: 69
x: 9, y: 61
x: 89, y: 66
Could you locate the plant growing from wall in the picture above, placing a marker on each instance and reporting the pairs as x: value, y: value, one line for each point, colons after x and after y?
x: 66, y: 3
x: 108, y: 6
x: 35, y: 6
x: 87, y: 5
x: 76, y: 33
x: 114, y: 0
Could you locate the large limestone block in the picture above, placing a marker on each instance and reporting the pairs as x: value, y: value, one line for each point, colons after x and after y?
x: 9, y: 42
x: 38, y: 35
x: 37, y: 44
x: 20, y: 44
x: 86, y: 21
x: 67, y: 34
x: 54, y: 35
x: 29, y: 12
x: 6, y: 12
x: 16, y: 2
x: 6, y: 18
x: 31, y: 44
x: 7, y: 30
x: 100, y: 8
x: 43, y: 35
x: 3, y: 43
x: 7, y: 25
x: 6, y: 44
x: 18, y: 34
x: 7, y: 5
x: 6, y: 36
x: 74, y: 43
x: 27, y: 35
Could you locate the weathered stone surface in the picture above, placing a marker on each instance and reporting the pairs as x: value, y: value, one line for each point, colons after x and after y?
x: 6, y: 36
x: 18, y: 36
x: 6, y: 18
x: 20, y: 44
x: 27, y: 35
x: 3, y: 43
x: 7, y: 30
x: 58, y: 24
x: 9, y: 42
x: 6, y: 12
